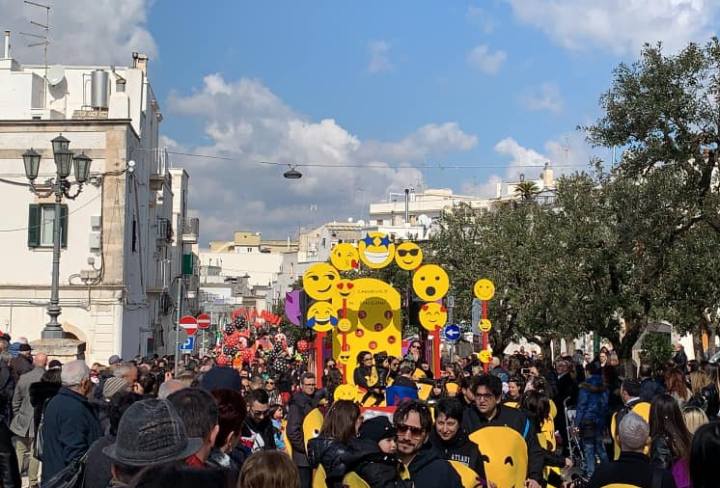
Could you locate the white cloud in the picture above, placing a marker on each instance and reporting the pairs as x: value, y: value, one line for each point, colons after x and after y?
x: 379, y: 56
x: 246, y: 122
x: 82, y: 31
x: 480, y: 18
x: 620, y: 25
x: 485, y: 60
x: 544, y: 97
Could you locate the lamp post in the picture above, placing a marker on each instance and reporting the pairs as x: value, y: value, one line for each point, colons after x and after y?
x: 60, y: 186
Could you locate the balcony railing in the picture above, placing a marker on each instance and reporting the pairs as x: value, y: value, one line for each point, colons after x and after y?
x: 164, y: 230
x: 190, y: 230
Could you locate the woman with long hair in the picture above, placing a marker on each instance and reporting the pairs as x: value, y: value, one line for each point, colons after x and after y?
x: 671, y: 440
x: 695, y: 417
x: 330, y: 447
x: 710, y: 392
x: 676, y: 387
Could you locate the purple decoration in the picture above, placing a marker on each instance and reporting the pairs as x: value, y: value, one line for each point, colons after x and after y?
x: 292, y: 307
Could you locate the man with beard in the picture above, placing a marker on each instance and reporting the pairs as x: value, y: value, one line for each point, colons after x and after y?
x: 421, y: 461
x: 489, y: 411
x: 257, y: 432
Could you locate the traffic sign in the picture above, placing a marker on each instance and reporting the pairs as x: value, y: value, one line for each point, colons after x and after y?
x: 203, y: 321
x: 188, y: 345
x: 452, y: 332
x: 189, y: 323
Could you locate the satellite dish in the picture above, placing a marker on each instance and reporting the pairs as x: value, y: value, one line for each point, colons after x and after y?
x: 55, y: 75
x: 424, y: 220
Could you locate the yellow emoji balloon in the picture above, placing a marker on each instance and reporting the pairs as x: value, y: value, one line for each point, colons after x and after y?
x: 484, y: 289
x: 504, y: 455
x: 344, y: 325
x: 485, y: 325
x: 432, y: 315
x: 319, y: 281
x: 485, y: 356
x: 312, y: 424
x: 344, y: 256
x: 376, y: 250
x: 430, y: 282
x: 408, y: 256
x: 346, y: 392
x: 321, y: 317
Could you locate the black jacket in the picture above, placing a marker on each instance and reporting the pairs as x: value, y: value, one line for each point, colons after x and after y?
x: 429, y: 470
x: 69, y: 428
x: 333, y: 455
x: 650, y: 388
x: 377, y: 469
x: 661, y: 455
x: 300, y: 405
x: 460, y: 449
x: 264, y: 429
x: 40, y: 393
x: 711, y: 400
x: 632, y: 468
x: 517, y: 420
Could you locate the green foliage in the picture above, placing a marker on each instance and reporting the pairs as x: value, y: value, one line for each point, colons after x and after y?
x: 656, y: 349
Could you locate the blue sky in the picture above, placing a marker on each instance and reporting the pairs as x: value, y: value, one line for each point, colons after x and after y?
x: 496, y: 83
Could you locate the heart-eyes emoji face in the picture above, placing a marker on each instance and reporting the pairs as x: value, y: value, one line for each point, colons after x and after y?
x: 430, y: 282
x: 344, y: 288
x: 432, y: 315
x: 376, y: 250
x: 344, y: 256
x: 319, y: 281
x: 408, y: 256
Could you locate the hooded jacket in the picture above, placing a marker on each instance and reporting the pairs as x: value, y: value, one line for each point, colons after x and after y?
x: 460, y: 449
x: 429, y: 470
x: 333, y: 455
x: 377, y: 469
x: 592, y: 402
x: 517, y: 420
x: 300, y: 405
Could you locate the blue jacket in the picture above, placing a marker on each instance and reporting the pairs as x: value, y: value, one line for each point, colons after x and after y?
x: 592, y: 402
x: 69, y: 427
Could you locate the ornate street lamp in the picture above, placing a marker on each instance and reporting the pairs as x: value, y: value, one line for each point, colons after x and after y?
x: 65, y: 161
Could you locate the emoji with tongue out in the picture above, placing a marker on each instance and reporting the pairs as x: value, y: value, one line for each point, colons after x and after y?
x: 344, y: 256
x: 376, y: 250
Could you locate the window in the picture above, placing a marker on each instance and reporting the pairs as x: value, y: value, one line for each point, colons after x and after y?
x: 249, y: 249
x: 41, y: 221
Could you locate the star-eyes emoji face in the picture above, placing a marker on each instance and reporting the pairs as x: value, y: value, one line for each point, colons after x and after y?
x: 376, y: 250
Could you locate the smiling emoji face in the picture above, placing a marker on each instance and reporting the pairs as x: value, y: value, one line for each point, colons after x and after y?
x: 319, y: 281
x: 504, y: 455
x: 430, y: 282
x: 344, y: 256
x: 376, y: 250
x: 484, y: 289
x: 485, y: 325
x: 432, y: 316
x: 321, y: 317
x: 408, y: 256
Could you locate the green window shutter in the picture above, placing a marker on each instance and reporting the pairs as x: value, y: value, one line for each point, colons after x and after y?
x: 187, y: 264
x: 34, y: 226
x: 63, y: 225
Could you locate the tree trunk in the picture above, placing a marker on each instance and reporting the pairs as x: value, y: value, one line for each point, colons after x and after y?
x: 698, y: 348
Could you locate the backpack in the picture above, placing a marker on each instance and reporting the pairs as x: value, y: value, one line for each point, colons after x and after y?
x: 71, y: 476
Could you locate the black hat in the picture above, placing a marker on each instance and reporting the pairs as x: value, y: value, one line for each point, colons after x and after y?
x: 377, y: 429
x: 151, y: 432
x: 221, y: 377
x: 24, y: 348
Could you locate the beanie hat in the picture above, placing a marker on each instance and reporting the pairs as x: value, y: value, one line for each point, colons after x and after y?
x: 114, y: 359
x: 377, y: 429
x: 114, y: 385
x: 221, y: 377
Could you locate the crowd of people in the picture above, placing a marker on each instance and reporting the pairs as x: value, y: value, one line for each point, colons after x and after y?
x: 142, y: 423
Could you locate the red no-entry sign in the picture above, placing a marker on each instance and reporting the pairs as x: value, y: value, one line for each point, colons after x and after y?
x: 189, y: 323
x: 203, y: 321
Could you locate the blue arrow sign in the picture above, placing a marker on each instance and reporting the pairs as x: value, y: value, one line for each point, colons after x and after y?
x: 188, y: 345
x: 452, y: 332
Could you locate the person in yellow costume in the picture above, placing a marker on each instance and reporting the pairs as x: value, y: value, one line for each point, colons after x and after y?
x: 630, y: 394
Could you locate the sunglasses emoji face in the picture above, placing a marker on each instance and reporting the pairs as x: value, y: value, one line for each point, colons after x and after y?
x: 408, y: 256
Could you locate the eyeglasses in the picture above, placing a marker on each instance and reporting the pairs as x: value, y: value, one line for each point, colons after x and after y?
x: 259, y: 413
x: 269, y: 382
x: 414, y: 431
x: 414, y: 346
x: 308, y: 385
x: 405, y: 252
x: 367, y: 359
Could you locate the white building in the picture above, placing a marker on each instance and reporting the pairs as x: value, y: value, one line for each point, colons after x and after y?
x: 120, y: 251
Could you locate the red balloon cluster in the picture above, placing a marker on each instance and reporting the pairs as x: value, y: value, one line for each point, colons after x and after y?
x: 302, y: 345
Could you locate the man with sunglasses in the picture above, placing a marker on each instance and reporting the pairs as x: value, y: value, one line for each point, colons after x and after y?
x: 257, y: 432
x: 489, y: 411
x: 421, y: 460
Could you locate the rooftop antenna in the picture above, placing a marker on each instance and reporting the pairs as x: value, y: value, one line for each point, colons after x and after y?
x: 44, y: 39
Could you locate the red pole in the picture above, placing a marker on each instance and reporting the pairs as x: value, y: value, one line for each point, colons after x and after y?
x: 343, y: 345
x: 485, y: 337
x: 318, y: 358
x: 436, y: 352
